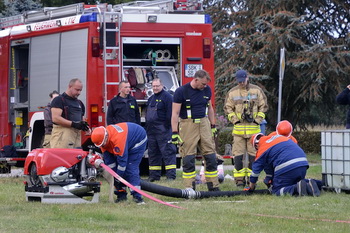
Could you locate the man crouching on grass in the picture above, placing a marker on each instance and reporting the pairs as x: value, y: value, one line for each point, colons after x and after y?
x: 280, y: 156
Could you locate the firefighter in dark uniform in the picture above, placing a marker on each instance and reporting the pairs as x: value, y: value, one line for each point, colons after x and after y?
x: 123, y: 107
x: 194, y: 129
x: 158, y: 128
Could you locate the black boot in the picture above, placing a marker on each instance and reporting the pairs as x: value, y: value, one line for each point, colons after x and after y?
x: 211, y: 188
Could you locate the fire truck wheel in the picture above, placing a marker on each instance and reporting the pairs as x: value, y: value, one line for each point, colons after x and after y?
x: 33, y: 177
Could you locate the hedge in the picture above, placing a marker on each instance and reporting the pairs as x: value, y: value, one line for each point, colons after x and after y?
x: 309, y: 141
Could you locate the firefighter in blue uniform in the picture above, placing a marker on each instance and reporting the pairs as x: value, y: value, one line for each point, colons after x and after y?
x: 194, y: 130
x: 158, y: 128
x: 282, y: 157
x: 123, y: 107
x: 123, y: 146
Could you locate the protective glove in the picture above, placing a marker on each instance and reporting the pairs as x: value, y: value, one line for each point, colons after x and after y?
x: 214, y: 131
x: 175, y: 139
x: 81, y: 125
x: 248, y: 189
x: 268, y: 181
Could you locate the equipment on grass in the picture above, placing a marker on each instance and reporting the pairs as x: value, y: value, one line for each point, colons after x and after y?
x: 60, y: 176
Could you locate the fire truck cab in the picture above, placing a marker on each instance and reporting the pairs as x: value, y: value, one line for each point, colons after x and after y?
x: 41, y: 51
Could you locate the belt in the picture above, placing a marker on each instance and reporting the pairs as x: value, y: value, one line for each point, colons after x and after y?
x: 197, y: 120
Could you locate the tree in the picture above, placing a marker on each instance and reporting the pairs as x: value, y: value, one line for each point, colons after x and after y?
x: 248, y: 34
x: 55, y: 3
x: 2, y: 6
x: 16, y: 7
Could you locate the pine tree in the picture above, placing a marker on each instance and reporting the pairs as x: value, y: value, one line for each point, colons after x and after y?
x: 2, y: 7
x: 16, y: 7
x: 248, y: 35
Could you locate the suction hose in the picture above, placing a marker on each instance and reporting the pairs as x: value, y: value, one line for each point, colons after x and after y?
x: 190, y: 193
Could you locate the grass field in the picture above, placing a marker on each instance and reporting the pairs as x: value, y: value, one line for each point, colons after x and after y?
x: 256, y: 213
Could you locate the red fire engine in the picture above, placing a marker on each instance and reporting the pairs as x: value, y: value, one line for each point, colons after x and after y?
x: 40, y: 51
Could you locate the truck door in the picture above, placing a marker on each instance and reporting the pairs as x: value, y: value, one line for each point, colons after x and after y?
x: 18, y: 90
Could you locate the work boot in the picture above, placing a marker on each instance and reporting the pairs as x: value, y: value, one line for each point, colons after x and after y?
x: 121, y: 199
x: 138, y: 200
x: 301, y: 188
x: 211, y: 187
x: 190, y: 183
x: 152, y: 179
x: 312, y: 188
x: 240, y: 182
x: 194, y: 185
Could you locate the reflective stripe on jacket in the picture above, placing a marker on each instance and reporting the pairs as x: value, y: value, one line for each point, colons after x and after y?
x: 278, y: 154
x: 241, y: 104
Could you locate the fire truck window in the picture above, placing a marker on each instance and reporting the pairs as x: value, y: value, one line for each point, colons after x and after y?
x: 19, y: 72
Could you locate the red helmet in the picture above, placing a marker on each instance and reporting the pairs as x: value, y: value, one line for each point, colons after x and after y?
x: 254, y: 140
x: 99, y: 136
x: 284, y: 128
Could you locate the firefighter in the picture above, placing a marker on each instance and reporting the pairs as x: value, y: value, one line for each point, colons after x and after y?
x: 343, y: 98
x: 123, y: 107
x: 283, y: 128
x: 245, y: 106
x: 48, y: 120
x: 67, y: 117
x: 158, y: 128
x: 195, y: 129
x: 123, y: 146
x: 288, y: 163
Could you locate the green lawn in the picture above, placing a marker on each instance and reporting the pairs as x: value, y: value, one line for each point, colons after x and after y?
x: 256, y: 213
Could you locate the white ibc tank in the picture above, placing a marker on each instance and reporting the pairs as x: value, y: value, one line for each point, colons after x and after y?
x: 335, y: 150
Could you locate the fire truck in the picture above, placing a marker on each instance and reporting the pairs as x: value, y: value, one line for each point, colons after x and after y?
x: 41, y: 51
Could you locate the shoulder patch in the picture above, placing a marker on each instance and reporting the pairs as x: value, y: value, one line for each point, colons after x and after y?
x: 118, y: 128
x: 273, y: 138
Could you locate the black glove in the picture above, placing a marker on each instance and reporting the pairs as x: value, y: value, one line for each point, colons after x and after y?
x: 81, y: 125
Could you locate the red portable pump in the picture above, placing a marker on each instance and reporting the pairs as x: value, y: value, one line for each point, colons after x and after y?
x: 60, y: 176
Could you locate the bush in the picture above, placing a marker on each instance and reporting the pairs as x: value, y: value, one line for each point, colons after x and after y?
x: 224, y: 137
x: 309, y: 141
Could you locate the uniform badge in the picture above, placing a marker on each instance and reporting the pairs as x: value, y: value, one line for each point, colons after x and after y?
x: 116, y: 150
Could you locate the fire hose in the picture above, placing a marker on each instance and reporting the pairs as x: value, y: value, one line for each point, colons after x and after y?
x: 190, y: 193
x: 173, y: 192
x: 110, y: 171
